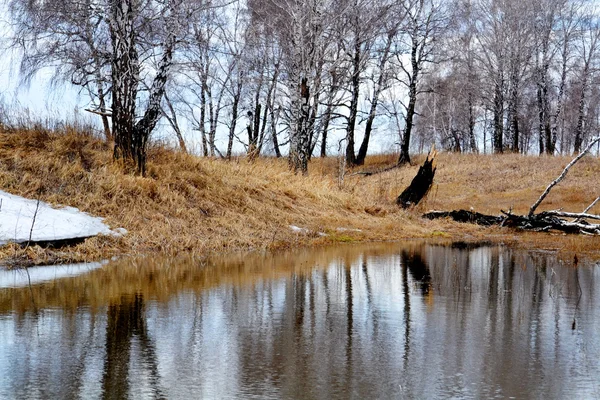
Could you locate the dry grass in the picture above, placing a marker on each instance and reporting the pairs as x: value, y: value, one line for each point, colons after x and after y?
x: 189, y: 204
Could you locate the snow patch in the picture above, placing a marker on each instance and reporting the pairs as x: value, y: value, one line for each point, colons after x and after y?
x: 348, y: 230
x: 297, y: 229
x: 305, y: 231
x: 17, y: 217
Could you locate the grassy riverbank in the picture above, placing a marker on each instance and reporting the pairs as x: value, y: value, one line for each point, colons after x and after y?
x: 190, y: 204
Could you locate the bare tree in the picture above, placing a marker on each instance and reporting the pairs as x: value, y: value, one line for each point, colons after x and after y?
x: 302, y: 28
x: 131, y: 135
x: 380, y: 82
x: 424, y: 21
x: 589, y: 46
x: 72, y: 37
x: 85, y: 39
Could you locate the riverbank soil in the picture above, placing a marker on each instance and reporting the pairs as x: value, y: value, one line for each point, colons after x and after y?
x: 202, y: 205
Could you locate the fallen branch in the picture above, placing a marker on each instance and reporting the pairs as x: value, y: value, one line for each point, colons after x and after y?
x: 542, y: 222
x: 561, y: 176
x: 379, y: 171
x: 578, y: 216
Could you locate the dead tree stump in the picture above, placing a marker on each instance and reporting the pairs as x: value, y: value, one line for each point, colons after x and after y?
x: 421, y: 183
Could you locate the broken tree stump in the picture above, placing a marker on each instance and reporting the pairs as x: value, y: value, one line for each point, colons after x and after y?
x: 421, y: 183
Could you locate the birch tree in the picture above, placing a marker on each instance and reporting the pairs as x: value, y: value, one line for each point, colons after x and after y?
x: 107, y: 43
x: 131, y: 135
x: 589, y: 47
x: 424, y: 23
x: 302, y: 29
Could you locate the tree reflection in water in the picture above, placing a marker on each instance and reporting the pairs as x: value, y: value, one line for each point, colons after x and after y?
x: 350, y: 323
x: 126, y: 322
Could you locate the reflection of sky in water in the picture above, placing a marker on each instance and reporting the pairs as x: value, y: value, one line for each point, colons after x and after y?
x: 436, y: 323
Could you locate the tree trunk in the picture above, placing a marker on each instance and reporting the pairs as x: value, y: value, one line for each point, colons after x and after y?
x: 234, y: 118
x: 144, y: 127
x: 175, y: 124
x: 560, y: 98
x: 410, y: 113
x: 131, y: 139
x: 498, y: 117
x: 581, y: 114
x: 314, y: 110
x: 299, y: 140
x: 201, y: 123
x: 328, y: 112
x: 125, y: 76
x: 472, y: 140
x: 274, y: 135
x: 364, y: 146
x: 350, y: 155
x: 420, y: 185
x: 253, y: 129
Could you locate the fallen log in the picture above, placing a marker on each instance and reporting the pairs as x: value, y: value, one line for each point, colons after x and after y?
x: 542, y: 222
x: 465, y: 216
x: 421, y: 183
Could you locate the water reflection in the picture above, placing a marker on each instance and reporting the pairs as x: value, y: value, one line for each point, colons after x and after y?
x: 389, y: 321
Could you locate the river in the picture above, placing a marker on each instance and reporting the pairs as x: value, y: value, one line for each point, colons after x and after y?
x: 411, y: 320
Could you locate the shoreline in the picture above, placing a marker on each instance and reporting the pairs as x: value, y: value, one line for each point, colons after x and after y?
x: 189, y: 204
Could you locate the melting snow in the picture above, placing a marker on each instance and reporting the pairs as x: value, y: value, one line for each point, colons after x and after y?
x: 17, y: 216
x: 297, y: 229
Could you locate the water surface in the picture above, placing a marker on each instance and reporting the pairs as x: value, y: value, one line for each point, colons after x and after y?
x: 386, y: 321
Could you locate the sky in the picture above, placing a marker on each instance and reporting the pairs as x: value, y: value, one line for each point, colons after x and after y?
x: 38, y: 97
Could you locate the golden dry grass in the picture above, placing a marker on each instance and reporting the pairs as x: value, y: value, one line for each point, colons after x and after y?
x: 199, y: 205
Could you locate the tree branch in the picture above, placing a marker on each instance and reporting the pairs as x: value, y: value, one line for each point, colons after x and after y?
x: 561, y: 176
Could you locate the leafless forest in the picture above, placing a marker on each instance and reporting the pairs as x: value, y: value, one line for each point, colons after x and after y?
x: 293, y: 77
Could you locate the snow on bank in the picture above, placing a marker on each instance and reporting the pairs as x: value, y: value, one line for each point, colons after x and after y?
x: 51, y: 224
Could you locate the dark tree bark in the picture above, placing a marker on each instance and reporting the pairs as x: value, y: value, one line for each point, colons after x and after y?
x: 274, y: 135
x: 542, y: 115
x: 513, y: 107
x: 253, y: 130
x: 412, y: 97
x: 237, y: 93
x: 498, y: 133
x: 355, y: 93
x: 364, y: 146
x: 472, y: 140
x: 420, y: 185
x: 580, y: 115
x: 410, y: 114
